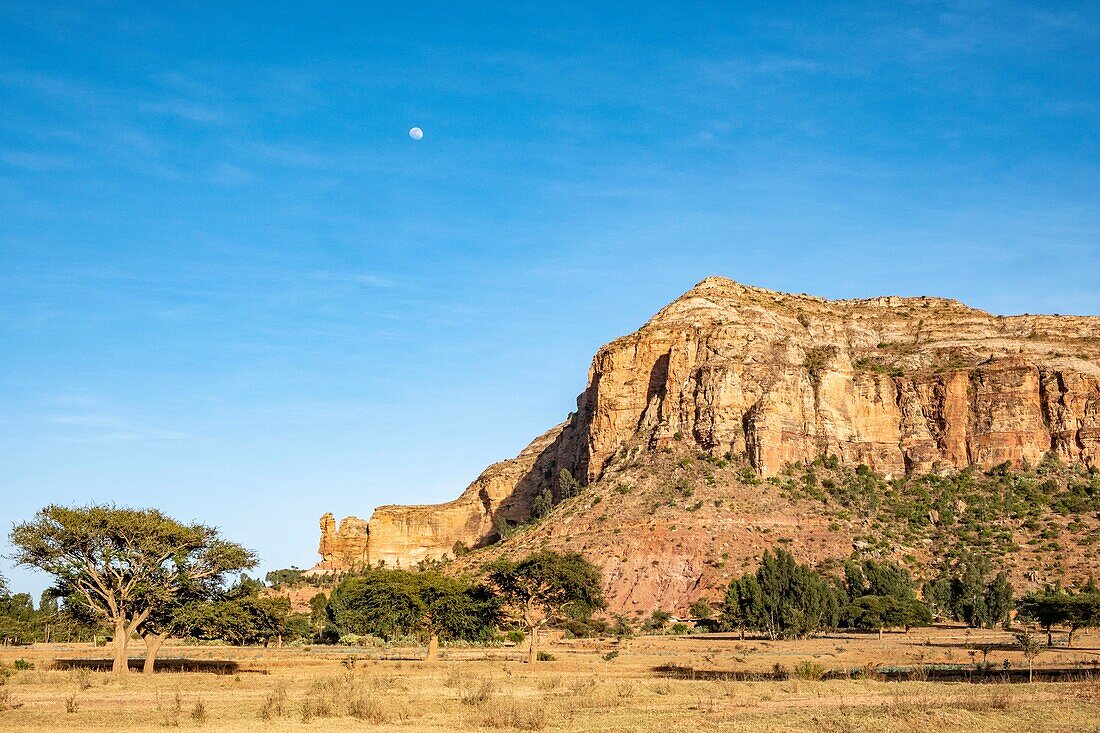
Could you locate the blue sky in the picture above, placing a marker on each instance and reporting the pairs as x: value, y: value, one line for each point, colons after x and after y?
x: 233, y: 288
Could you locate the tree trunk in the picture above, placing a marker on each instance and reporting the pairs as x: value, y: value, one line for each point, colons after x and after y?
x: 1050, y: 636
x: 1070, y: 641
x: 880, y: 632
x: 1029, y: 663
x: 433, y: 648
x: 121, y: 664
x: 152, y: 646
x: 533, y: 650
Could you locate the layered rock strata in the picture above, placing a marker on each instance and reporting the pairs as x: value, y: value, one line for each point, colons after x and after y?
x: 899, y: 384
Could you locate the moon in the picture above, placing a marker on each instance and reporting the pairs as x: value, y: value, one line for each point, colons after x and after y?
x: 416, y: 133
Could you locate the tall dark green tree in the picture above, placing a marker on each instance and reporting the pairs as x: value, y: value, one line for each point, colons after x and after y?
x: 998, y: 600
x: 542, y: 588
x: 783, y: 599
x: 544, y: 502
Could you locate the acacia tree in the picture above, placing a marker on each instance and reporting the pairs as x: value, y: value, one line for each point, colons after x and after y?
x: 543, y: 586
x: 1048, y: 608
x: 163, y: 620
x: 124, y: 564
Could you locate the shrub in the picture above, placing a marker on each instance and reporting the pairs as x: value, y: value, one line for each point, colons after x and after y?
x: 809, y: 670
x: 546, y: 657
x: 515, y: 636
x: 23, y: 664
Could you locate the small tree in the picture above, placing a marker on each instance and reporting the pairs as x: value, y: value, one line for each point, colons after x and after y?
x: 244, y: 614
x: 1047, y: 608
x: 888, y: 612
x: 541, y: 587
x: 567, y: 485
x: 125, y: 564
x: 544, y: 502
x: 1030, y: 648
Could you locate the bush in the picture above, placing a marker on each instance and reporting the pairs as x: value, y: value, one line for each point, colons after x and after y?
x: 809, y: 670
x: 546, y: 657
x: 701, y: 609
x: 23, y: 664
x: 515, y: 636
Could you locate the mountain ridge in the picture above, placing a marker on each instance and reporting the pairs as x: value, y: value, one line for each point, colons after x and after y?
x: 903, y: 385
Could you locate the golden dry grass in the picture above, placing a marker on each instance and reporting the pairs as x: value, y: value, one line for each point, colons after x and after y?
x: 490, y: 690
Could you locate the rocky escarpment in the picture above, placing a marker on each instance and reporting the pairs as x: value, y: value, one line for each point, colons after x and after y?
x: 900, y: 384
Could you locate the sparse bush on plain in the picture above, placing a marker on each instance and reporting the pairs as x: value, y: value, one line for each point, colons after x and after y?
x: 809, y: 670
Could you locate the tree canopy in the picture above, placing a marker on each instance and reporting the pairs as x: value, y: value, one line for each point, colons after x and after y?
x: 1061, y: 607
x: 393, y: 603
x: 543, y: 587
x: 124, y: 564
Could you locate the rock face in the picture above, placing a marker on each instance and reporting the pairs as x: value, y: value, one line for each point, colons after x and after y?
x: 900, y: 384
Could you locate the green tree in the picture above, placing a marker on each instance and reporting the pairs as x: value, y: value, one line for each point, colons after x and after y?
x: 245, y: 614
x: 998, y: 600
x: 701, y: 609
x: 744, y: 605
x: 783, y: 599
x: 393, y: 603
x: 1030, y: 648
x: 543, y: 586
x: 544, y: 502
x: 382, y: 603
x: 567, y: 485
x: 882, y: 596
x: 125, y: 564
x: 453, y: 609
x: 318, y: 607
x: 18, y: 619
x: 888, y: 612
x: 967, y: 594
x: 1048, y: 608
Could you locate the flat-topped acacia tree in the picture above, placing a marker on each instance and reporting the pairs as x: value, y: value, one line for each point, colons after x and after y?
x: 543, y: 586
x: 126, y: 564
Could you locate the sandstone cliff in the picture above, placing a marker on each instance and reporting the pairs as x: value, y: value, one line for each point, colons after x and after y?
x: 900, y: 384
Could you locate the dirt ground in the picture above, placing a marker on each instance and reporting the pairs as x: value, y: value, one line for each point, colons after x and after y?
x: 587, y: 687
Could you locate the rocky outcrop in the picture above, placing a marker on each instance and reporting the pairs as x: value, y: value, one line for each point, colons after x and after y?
x: 900, y: 384
x: 342, y: 547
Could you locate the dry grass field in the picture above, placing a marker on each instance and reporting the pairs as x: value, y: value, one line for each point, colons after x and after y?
x: 586, y: 688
